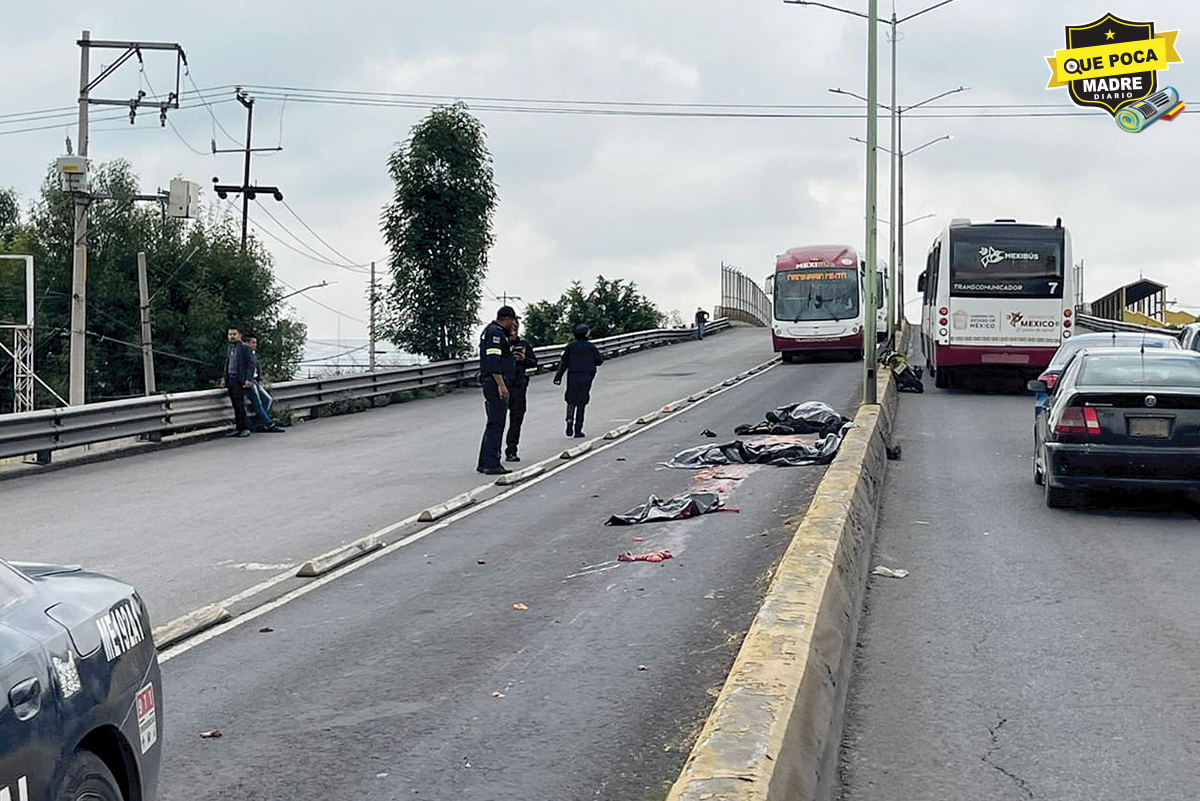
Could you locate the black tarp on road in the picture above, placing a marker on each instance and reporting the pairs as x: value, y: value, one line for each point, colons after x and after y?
x: 679, y: 507
x: 809, y: 417
x: 781, y: 454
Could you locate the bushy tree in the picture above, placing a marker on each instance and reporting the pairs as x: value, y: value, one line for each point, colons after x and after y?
x: 609, y: 308
x: 439, y: 229
x: 200, y: 282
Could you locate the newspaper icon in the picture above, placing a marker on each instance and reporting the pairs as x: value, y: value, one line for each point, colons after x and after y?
x: 1163, y: 104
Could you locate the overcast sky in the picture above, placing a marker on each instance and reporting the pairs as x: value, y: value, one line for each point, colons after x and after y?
x: 660, y: 200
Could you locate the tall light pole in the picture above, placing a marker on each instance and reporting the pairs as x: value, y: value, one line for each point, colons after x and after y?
x: 896, y: 312
x: 897, y: 272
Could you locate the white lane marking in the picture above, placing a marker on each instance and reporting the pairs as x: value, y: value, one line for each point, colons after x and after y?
x: 591, y: 572
x: 299, y: 592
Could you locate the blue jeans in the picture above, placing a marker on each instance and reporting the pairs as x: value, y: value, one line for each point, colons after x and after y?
x: 262, y: 404
x: 699, y: 330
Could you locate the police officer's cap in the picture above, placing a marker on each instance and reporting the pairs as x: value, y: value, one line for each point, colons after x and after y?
x: 506, y: 311
x: 581, y: 330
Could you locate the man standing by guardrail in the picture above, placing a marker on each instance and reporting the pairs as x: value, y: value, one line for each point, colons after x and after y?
x: 239, y: 377
x: 496, y: 369
x: 259, y: 397
x: 701, y: 319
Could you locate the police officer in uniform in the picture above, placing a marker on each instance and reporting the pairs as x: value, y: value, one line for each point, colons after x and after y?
x: 579, y: 361
x: 497, y: 371
x: 526, y: 361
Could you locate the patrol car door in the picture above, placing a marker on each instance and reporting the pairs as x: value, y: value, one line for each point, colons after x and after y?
x: 28, y: 713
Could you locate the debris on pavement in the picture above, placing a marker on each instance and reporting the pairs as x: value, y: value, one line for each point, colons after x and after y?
x: 708, y: 433
x: 791, y: 453
x: 480, y: 562
x: 497, y: 694
x: 653, y: 556
x: 639, y: 539
x: 679, y: 507
x: 211, y: 734
x: 880, y: 570
x: 520, y: 607
x: 809, y: 417
x: 265, y: 630
x: 642, y: 667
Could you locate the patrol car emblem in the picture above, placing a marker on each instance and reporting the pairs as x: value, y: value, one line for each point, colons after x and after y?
x: 1151, y: 400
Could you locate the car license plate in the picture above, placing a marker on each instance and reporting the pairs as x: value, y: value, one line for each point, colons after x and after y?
x: 1150, y: 427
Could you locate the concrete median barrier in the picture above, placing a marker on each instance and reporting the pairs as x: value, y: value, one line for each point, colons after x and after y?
x: 578, y: 450
x: 320, y: 565
x: 517, y: 476
x: 189, y: 625
x: 620, y: 431
x: 775, y: 729
x: 442, y: 509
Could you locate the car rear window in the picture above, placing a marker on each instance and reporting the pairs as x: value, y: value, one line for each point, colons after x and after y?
x: 1137, y: 370
x: 1068, y: 349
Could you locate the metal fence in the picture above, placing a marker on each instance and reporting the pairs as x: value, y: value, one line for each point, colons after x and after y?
x: 46, y: 430
x: 1104, y: 324
x: 742, y: 299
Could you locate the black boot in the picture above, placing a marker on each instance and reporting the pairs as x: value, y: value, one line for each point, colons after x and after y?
x: 570, y: 420
x: 578, y: 421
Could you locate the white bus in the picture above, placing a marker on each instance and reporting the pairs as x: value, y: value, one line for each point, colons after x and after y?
x: 996, y: 295
x: 817, y: 301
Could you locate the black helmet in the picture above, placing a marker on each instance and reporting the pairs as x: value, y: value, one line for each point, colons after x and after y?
x: 581, y: 331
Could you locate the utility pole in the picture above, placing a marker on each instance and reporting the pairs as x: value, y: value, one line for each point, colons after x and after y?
x: 371, y: 319
x: 869, y: 316
x: 505, y: 298
x: 147, y: 347
x: 247, y: 191
x: 893, y: 319
x: 78, y: 337
x: 79, y: 244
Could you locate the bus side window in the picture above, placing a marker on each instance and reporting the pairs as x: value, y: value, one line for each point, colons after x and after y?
x: 921, y: 283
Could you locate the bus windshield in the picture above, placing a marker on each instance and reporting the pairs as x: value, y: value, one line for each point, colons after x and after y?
x: 1006, y: 261
x: 816, y: 294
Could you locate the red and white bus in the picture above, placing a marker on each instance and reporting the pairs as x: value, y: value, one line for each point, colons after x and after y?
x: 996, y: 295
x: 817, y: 301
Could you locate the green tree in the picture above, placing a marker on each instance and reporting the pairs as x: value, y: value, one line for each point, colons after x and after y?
x: 609, y: 308
x: 200, y: 282
x: 10, y: 215
x: 439, y: 229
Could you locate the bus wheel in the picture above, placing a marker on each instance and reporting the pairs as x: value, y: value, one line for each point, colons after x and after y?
x: 856, y: 355
x: 941, y: 378
x: 788, y: 357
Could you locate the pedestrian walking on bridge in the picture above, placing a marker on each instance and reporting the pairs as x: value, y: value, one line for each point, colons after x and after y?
x: 579, y: 361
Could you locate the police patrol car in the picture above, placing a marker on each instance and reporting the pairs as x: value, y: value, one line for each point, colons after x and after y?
x: 80, y: 688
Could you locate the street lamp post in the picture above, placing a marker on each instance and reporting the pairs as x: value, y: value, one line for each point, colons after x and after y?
x: 896, y: 312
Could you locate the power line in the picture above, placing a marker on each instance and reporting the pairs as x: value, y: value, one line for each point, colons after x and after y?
x: 349, y: 262
x: 324, y: 306
x: 316, y: 256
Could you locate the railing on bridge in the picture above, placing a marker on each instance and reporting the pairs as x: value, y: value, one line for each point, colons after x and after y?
x: 1104, y: 324
x: 46, y: 430
x: 742, y: 299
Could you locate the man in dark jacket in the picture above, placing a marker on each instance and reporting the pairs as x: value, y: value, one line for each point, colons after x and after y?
x: 579, y: 361
x: 239, y: 377
x: 526, y: 361
x: 497, y: 370
x: 701, y: 319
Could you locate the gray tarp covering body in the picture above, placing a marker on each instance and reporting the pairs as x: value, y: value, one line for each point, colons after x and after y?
x: 781, y: 454
x: 681, y: 506
x: 810, y: 417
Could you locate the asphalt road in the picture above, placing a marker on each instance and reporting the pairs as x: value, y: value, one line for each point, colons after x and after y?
x: 1031, y: 652
x: 194, y: 525
x: 379, y: 684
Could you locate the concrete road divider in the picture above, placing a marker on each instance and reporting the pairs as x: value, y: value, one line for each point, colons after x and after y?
x: 775, y: 729
x: 188, y: 625
x: 322, y: 564
x: 620, y: 431
x: 517, y: 476
x: 648, y: 418
x: 442, y: 509
x: 675, y: 406
x: 578, y: 450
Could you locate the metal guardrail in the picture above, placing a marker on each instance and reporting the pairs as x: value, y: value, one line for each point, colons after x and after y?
x: 1104, y: 324
x: 43, y: 431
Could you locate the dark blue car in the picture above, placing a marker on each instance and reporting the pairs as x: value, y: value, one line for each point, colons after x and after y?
x: 1112, y: 339
x: 81, y: 714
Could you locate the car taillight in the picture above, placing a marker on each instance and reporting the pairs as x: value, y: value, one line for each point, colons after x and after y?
x: 1049, y: 378
x: 1078, y: 420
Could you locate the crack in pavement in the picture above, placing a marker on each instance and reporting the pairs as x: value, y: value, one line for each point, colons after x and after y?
x: 994, y: 734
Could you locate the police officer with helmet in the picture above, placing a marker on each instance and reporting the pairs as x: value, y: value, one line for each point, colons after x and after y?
x: 497, y: 372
